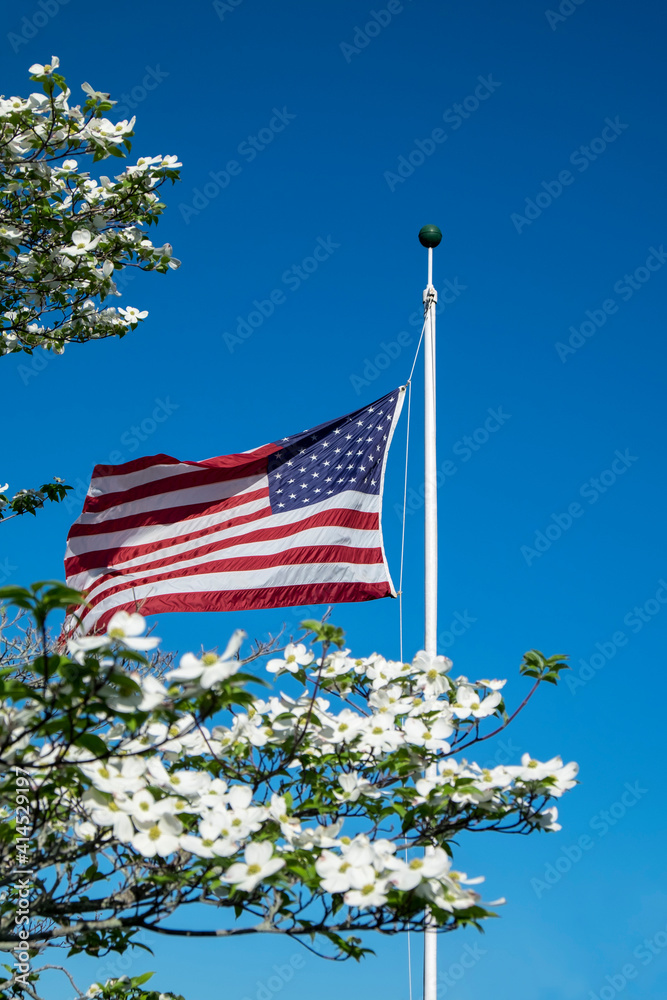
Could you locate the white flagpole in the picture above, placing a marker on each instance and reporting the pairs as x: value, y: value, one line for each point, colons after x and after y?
x: 430, y: 236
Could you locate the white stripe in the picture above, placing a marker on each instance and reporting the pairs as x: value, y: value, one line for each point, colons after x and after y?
x: 352, y: 538
x: 131, y: 480
x: 210, y: 492
x: 278, y: 576
x: 152, y: 533
x: 121, y: 481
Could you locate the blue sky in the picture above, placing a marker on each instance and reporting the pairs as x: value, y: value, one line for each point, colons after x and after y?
x: 300, y: 127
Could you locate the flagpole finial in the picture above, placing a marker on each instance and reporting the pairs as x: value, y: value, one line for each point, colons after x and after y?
x: 430, y: 236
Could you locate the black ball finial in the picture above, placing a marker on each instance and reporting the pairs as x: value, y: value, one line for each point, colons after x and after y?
x: 429, y: 236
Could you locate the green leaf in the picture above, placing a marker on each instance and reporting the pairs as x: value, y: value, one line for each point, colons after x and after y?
x: 93, y: 743
x: 140, y: 980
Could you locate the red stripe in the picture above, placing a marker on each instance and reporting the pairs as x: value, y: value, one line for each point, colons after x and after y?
x: 219, y: 462
x: 251, y: 600
x: 336, y: 517
x: 171, y: 515
x: 301, y: 556
x: 169, y: 484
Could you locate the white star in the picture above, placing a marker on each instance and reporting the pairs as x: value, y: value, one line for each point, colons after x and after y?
x: 305, y: 500
x: 353, y: 480
x: 315, y: 475
x: 325, y: 444
x: 303, y: 451
x: 372, y: 482
x: 329, y: 491
x: 302, y: 469
x: 339, y: 467
x: 285, y: 439
x: 337, y: 431
x: 327, y: 463
x: 329, y: 479
x: 361, y: 468
x: 338, y: 450
x: 360, y: 423
x: 290, y: 462
x: 318, y: 491
x: 278, y: 475
x: 349, y: 437
x: 281, y: 504
x: 278, y: 491
x: 292, y: 496
x: 304, y: 486
x: 290, y: 480
x: 371, y: 409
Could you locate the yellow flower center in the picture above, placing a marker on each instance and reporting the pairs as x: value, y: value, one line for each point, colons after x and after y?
x: 154, y: 833
x: 254, y: 869
x: 367, y: 890
x: 207, y: 843
x: 208, y: 659
x: 416, y: 864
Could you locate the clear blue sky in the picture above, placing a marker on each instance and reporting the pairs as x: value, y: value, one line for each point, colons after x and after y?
x: 535, y: 142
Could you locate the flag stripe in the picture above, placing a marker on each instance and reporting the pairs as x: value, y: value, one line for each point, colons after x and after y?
x: 215, y: 538
x: 292, y: 560
x: 291, y: 522
x: 292, y: 545
x: 251, y: 599
x: 195, y: 480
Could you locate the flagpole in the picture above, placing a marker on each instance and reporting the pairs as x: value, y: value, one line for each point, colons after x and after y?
x: 430, y: 237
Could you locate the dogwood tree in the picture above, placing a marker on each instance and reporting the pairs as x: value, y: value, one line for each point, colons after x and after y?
x: 300, y: 809
x: 64, y: 234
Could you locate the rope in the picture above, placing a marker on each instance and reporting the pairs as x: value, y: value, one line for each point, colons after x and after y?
x: 405, y: 496
x: 400, y: 582
x: 409, y: 942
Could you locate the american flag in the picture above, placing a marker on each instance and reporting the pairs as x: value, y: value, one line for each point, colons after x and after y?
x: 291, y: 523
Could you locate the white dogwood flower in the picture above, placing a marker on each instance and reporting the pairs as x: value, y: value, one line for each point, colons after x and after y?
x: 132, y: 315
x: 468, y: 703
x: 295, y: 656
x: 210, y: 669
x: 158, y: 837
x: 259, y: 864
x: 38, y: 70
